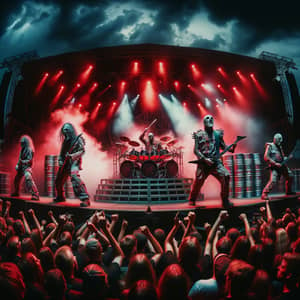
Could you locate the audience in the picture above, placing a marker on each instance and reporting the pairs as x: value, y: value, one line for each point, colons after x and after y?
x: 57, y: 259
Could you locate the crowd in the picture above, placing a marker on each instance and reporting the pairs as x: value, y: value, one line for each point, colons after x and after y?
x: 59, y: 260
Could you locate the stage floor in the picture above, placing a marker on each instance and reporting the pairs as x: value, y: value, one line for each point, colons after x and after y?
x: 155, y: 207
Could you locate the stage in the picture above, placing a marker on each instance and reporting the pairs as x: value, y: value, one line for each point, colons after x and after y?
x: 153, y: 214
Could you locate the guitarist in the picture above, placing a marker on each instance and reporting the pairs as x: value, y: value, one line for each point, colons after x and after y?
x: 69, y: 165
x: 275, y: 158
x: 24, y: 168
x: 207, y: 149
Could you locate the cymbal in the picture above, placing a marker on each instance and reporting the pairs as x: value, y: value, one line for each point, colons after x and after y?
x: 124, y: 139
x: 171, y: 143
x: 118, y: 144
x: 165, y: 138
x: 133, y: 143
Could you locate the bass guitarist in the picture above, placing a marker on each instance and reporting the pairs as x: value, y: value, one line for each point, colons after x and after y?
x: 69, y: 165
x: 208, y: 143
x: 276, y: 160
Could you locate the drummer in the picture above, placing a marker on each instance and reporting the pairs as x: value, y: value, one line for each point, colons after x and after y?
x: 151, y: 145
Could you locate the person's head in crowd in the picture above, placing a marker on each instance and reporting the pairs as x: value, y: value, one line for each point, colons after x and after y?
x: 261, y: 286
x: 240, y: 248
x: 221, y: 263
x: 128, y: 245
x: 267, y: 231
x: 19, y: 228
x: 65, y: 261
x: 224, y: 245
x: 279, y: 223
x: 282, y: 241
x: 173, y: 284
x: 3, y: 225
x: 141, y: 246
x: 292, y: 231
x: 288, y: 217
x: 46, y: 258
x: 95, y: 283
x: 255, y: 256
x: 13, y: 246
x: 55, y: 284
x: 165, y: 259
x: 142, y: 290
x: 160, y: 235
x: 31, y: 269
x: 37, y: 239
x: 139, y: 268
x: 268, y: 247
x: 93, y: 251
x: 70, y: 227
x: 49, y: 227
x: 10, y: 221
x: 296, y: 246
x: 27, y: 245
x: 289, y: 270
x: 239, y: 276
x: 65, y: 239
x: 233, y: 234
x: 189, y: 251
x: 12, y: 285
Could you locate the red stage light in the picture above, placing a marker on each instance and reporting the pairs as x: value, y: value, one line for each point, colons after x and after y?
x: 188, y: 85
x: 123, y: 83
x: 238, y: 72
x: 234, y: 88
x: 46, y: 74
x: 135, y: 69
x: 193, y: 66
x: 99, y: 104
x: 199, y: 104
x: 62, y: 87
x: 78, y: 85
x: 252, y: 75
x: 95, y: 84
x: 41, y: 83
x: 114, y: 103
x: 161, y: 68
x: 219, y: 85
x: 184, y: 103
x: 176, y: 83
x: 80, y: 105
x: 220, y: 69
x: 91, y: 67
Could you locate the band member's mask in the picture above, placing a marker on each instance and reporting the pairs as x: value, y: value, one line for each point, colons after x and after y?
x: 24, y: 142
x: 277, y: 140
x: 67, y: 131
x: 151, y: 136
x: 208, y: 121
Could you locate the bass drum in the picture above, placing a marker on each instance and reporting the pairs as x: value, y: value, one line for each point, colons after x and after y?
x: 129, y: 169
x: 168, y: 169
x: 149, y: 169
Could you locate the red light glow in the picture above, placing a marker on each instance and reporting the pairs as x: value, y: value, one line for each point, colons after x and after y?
x: 41, y: 83
x: 135, y: 69
x: 195, y: 71
x: 161, y: 68
x: 149, y: 96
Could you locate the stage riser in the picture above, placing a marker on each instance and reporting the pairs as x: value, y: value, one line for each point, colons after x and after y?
x: 5, y: 183
x: 144, y: 190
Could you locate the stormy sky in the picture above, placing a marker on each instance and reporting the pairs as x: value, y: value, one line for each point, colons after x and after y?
x: 244, y: 27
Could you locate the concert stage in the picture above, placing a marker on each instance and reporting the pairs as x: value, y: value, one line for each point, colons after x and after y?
x: 153, y: 214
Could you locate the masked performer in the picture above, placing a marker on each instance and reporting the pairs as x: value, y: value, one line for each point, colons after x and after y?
x: 207, y: 149
x: 275, y: 158
x: 24, y: 168
x: 70, y: 159
x: 150, y: 144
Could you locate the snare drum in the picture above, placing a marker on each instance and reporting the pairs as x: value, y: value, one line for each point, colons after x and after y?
x: 144, y: 155
x: 133, y: 155
x: 154, y: 155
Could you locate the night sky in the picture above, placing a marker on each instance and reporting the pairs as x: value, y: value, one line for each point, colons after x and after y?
x: 243, y: 27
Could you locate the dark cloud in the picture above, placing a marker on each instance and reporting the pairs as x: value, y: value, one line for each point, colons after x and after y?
x: 217, y: 43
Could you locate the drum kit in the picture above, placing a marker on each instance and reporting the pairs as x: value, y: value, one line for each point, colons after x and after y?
x: 160, y: 163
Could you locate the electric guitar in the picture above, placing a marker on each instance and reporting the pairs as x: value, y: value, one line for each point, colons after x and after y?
x: 67, y: 159
x: 202, y: 161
